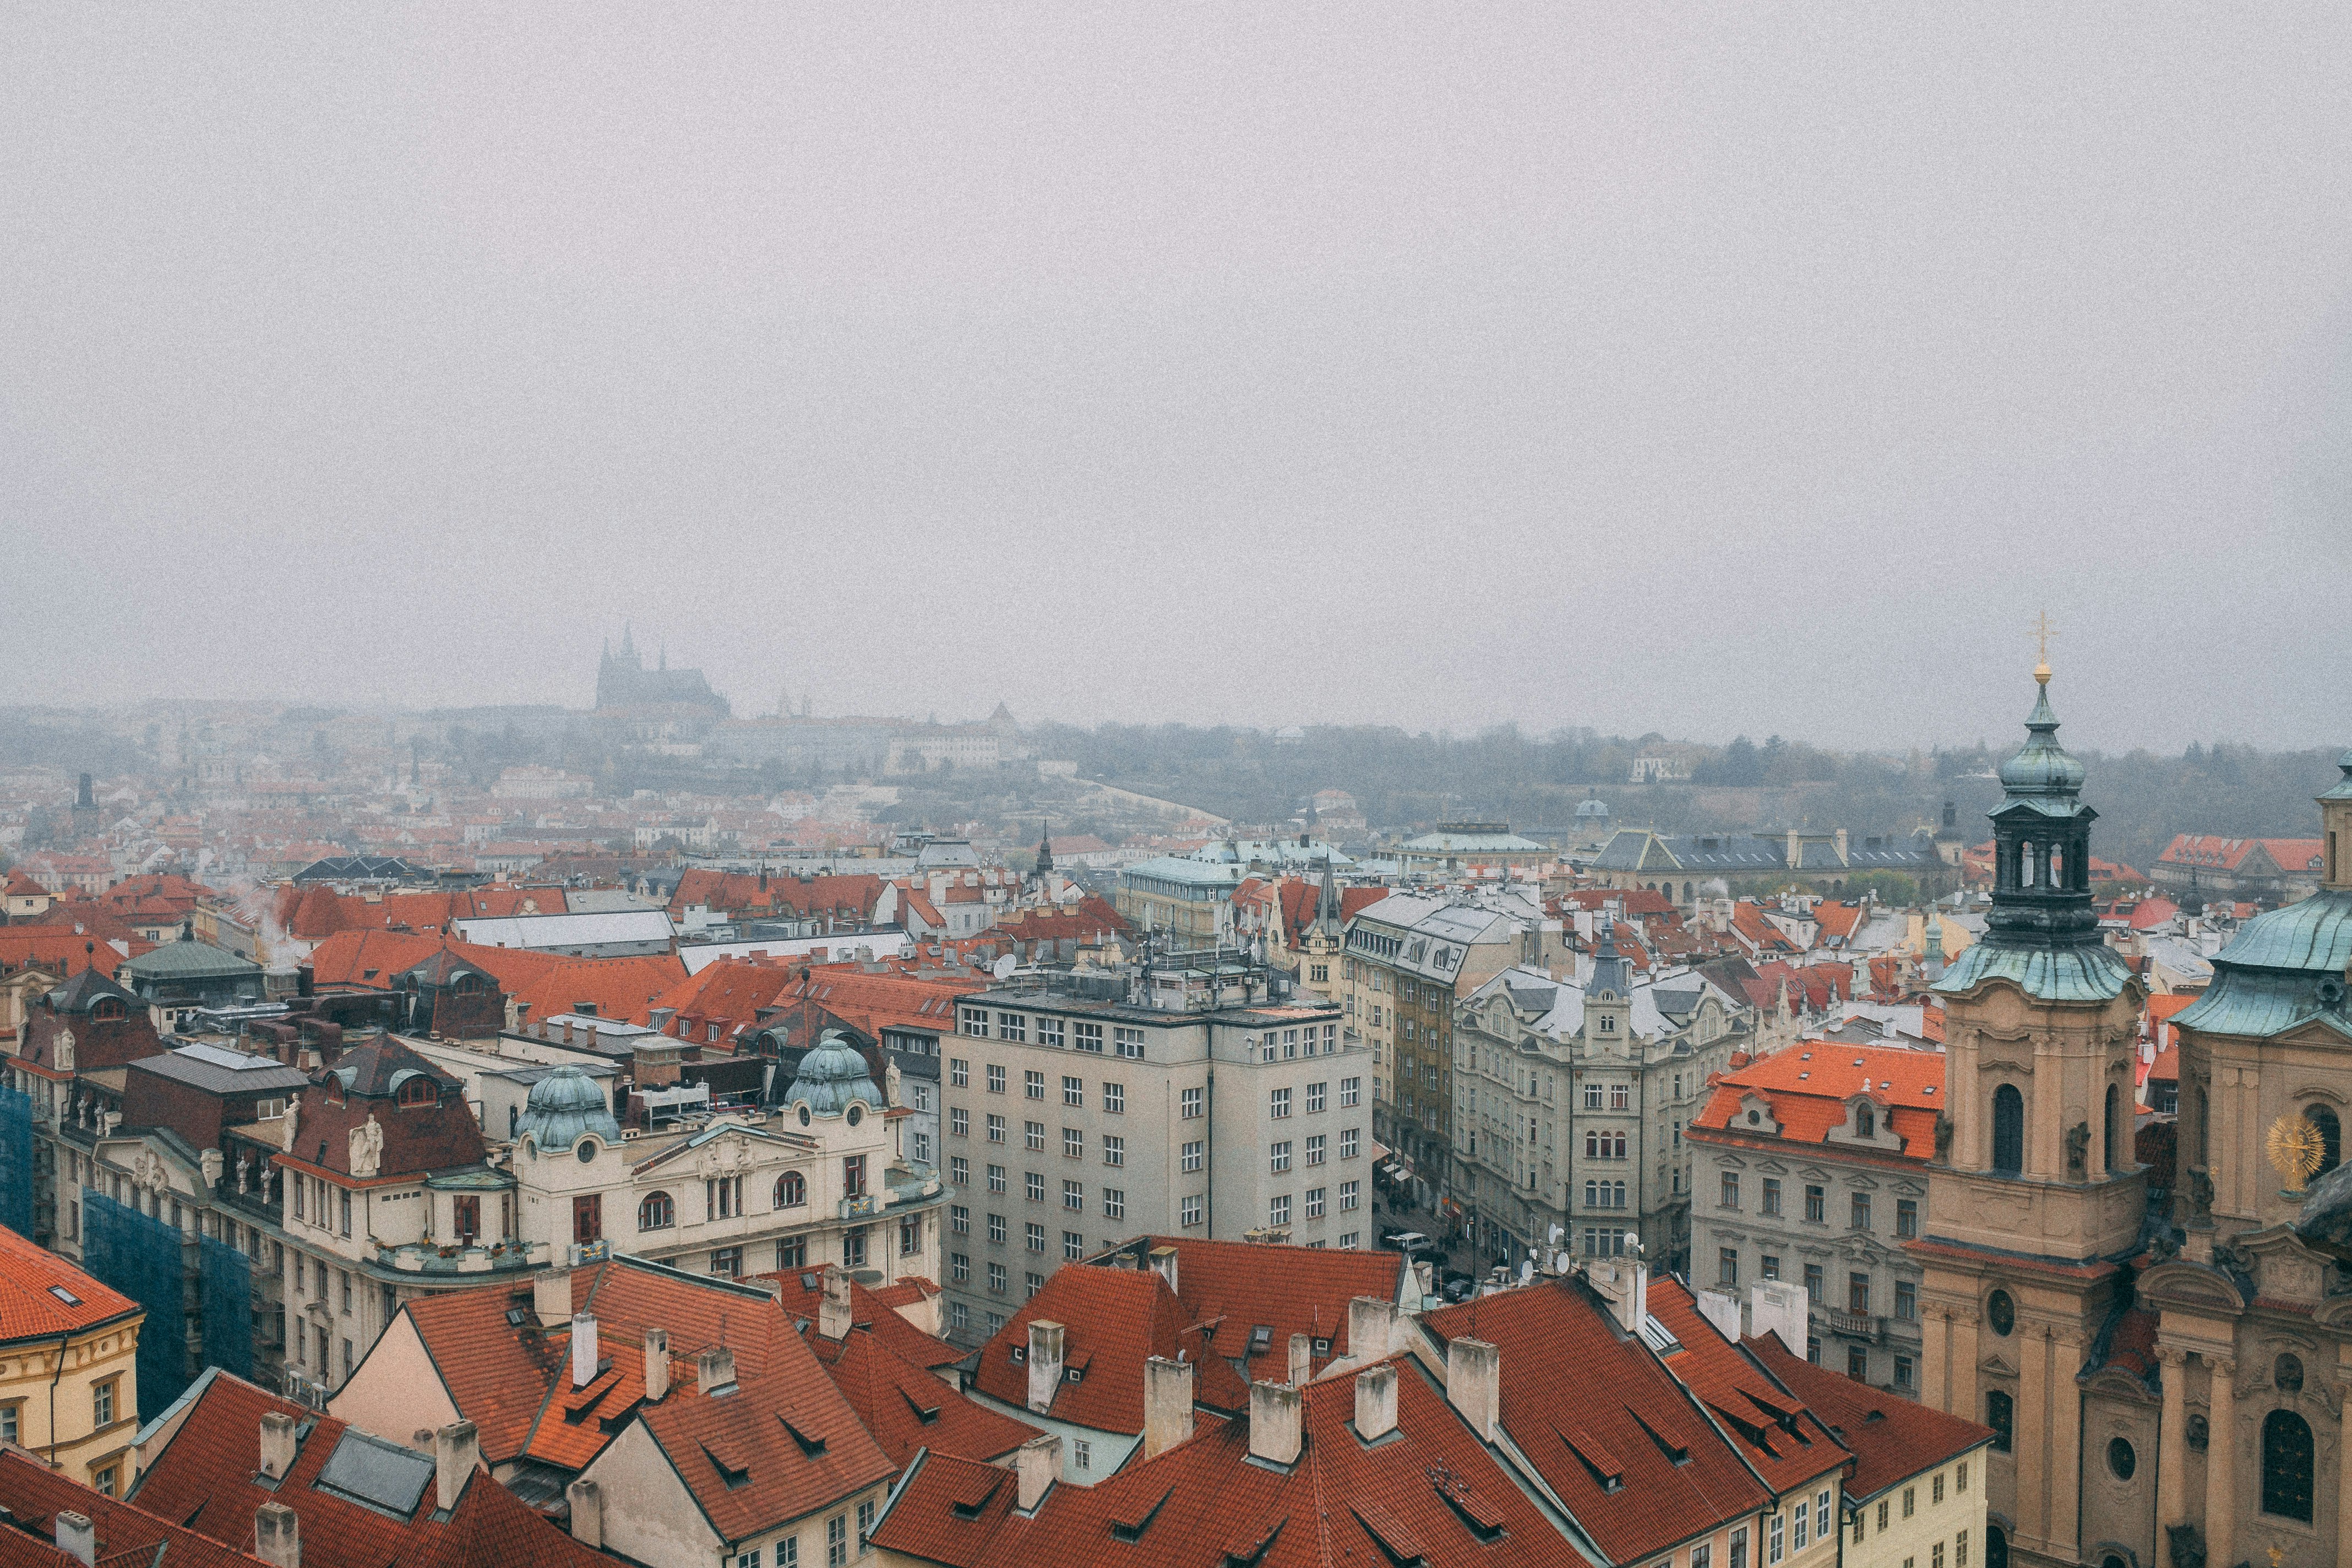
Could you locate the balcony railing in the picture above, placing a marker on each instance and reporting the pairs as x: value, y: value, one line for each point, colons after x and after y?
x: 1856, y: 1325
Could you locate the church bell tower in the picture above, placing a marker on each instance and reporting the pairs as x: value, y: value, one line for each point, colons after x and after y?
x: 2033, y: 1194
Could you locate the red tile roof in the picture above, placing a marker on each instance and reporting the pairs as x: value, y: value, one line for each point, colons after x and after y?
x: 906, y: 1408
x: 730, y: 993
x: 1783, y: 1442
x: 1432, y: 1495
x: 31, y: 1305
x: 1603, y: 1421
x: 800, y: 1292
x: 1892, y: 1439
x: 206, y: 1476
x: 35, y: 1495
x: 1808, y: 1087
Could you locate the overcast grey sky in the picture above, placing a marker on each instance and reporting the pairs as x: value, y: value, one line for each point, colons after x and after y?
x: 1753, y: 368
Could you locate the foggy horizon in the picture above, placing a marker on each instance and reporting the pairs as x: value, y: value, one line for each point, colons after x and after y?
x: 1714, y: 371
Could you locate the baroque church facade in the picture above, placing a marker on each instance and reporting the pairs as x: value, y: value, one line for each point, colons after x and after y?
x: 2166, y: 1371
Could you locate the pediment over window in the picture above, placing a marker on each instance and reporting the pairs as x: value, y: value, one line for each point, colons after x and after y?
x: 1997, y: 1365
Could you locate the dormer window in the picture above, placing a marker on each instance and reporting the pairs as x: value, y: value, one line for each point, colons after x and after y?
x: 1865, y: 1122
x: 419, y: 1090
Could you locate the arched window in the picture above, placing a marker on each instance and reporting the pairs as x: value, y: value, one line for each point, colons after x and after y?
x: 656, y: 1212
x: 2107, y: 1138
x: 2331, y: 1137
x: 2025, y: 865
x: 1995, y: 1547
x: 2007, y: 1130
x: 1687, y: 892
x: 1865, y: 1121
x: 791, y: 1190
x: 2286, y: 1465
x: 2000, y: 1414
x: 419, y: 1090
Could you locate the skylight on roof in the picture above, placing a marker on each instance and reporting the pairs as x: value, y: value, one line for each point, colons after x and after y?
x: 68, y: 1296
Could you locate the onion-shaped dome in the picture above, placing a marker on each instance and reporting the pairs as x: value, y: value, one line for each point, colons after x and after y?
x: 566, y: 1106
x: 831, y: 1076
x: 2041, y: 765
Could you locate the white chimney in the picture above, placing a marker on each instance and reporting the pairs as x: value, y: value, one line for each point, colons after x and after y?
x: 587, y: 1513
x: 1376, y: 1400
x: 1778, y: 1307
x: 1474, y: 1385
x: 276, y: 1444
x: 550, y: 1296
x: 1371, y: 1327
x: 1275, y: 1422
x: 456, y: 1453
x: 714, y: 1369
x: 1167, y: 1405
x: 1624, y: 1284
x: 1045, y: 1363
x: 1721, y: 1308
x: 656, y: 1365
x: 1034, y: 1465
x: 1301, y: 1364
x: 833, y: 1313
x: 583, y: 1350
x: 278, y: 1536
x: 76, y: 1537
x: 1163, y: 1261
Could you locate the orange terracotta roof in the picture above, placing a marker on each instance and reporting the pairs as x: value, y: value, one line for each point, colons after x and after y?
x: 801, y: 1291
x: 42, y: 1295
x: 1808, y: 1087
x: 1602, y: 1421
x: 1432, y: 1495
x: 207, y: 1475
x: 1781, y: 1440
x: 34, y: 1495
x: 1892, y: 1439
x: 906, y: 1408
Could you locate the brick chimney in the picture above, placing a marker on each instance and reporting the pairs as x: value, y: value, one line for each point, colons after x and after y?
x: 833, y: 1313
x: 1045, y: 1363
x: 550, y: 1296
x: 77, y: 1536
x: 587, y: 1513
x: 278, y: 1536
x: 1034, y: 1465
x: 656, y: 1365
x: 1167, y: 1405
x: 456, y: 1453
x: 1376, y: 1400
x: 1275, y: 1428
x: 276, y: 1444
x: 1474, y: 1385
x: 714, y: 1369
x: 584, y: 1349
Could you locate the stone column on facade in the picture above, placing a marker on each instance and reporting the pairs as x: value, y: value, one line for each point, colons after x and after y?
x: 1964, y: 1397
x: 2034, y: 1453
x: 2065, y: 1481
x: 2221, y: 1465
x: 1935, y: 1361
x: 2172, y: 1441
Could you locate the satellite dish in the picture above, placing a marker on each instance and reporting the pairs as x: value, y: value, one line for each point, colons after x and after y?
x: 1003, y: 967
x: 1561, y: 1262
x: 1526, y: 1272
x: 1556, y: 1234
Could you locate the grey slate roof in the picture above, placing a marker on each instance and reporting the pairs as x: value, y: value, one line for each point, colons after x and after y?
x: 216, y: 1070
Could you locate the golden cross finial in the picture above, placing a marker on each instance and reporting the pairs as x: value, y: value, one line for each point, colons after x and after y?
x: 2041, y: 630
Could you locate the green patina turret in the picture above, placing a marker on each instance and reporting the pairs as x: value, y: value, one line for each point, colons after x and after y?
x: 831, y: 1076
x: 2294, y: 965
x: 2043, y: 933
x: 564, y: 1106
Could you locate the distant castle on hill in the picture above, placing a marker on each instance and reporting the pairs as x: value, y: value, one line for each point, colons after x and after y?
x: 624, y: 684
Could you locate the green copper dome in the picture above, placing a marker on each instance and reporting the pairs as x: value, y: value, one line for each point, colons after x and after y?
x: 831, y: 1076
x: 566, y: 1106
x: 2042, y: 766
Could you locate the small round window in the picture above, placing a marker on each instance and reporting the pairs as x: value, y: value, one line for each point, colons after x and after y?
x: 856, y: 1113
x: 804, y: 1115
x: 2121, y: 1461
x: 2001, y: 1312
x: 587, y: 1151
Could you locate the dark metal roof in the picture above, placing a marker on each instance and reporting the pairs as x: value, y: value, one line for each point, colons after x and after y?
x: 201, y: 1069
x: 370, y: 1470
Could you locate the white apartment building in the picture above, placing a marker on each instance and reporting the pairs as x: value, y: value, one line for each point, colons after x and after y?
x: 1083, y: 1109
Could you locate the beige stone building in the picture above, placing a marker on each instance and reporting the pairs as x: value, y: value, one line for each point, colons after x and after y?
x: 69, y: 1377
